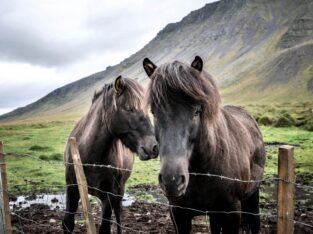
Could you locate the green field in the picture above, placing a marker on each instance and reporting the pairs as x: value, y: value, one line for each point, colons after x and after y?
x: 34, y: 157
x: 34, y: 151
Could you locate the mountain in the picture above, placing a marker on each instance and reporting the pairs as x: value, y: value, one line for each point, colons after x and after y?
x: 257, y: 50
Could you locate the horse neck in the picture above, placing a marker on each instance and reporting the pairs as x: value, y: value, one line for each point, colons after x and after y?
x: 95, y: 135
x: 225, y: 145
x: 212, y: 147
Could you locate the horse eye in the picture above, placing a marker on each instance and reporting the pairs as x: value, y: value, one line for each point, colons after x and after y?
x: 198, y: 111
x: 129, y: 109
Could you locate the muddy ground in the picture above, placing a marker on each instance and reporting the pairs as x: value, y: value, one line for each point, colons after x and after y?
x: 141, y: 217
x: 148, y: 218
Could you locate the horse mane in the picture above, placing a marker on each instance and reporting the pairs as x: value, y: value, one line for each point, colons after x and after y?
x: 221, y: 128
x: 132, y: 96
x: 179, y: 82
x: 97, y: 94
x: 107, y: 100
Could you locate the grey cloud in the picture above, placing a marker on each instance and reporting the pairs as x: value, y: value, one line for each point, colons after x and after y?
x: 25, y: 43
x: 25, y: 46
x: 18, y: 95
x: 26, y: 37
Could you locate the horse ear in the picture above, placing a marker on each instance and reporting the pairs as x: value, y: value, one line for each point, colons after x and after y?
x: 119, y: 84
x: 197, y: 63
x: 149, y: 66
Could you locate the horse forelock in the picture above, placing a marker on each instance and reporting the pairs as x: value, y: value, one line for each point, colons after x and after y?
x: 132, y: 96
x: 108, y: 100
x: 178, y: 82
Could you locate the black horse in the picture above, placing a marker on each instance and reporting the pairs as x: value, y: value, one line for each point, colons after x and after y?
x: 112, y: 130
x: 197, y: 135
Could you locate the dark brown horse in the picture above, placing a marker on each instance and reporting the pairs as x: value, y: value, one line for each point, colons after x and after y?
x: 112, y: 130
x: 197, y: 135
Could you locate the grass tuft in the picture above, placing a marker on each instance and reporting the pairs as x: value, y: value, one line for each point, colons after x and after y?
x: 56, y: 157
x: 283, y: 122
x: 265, y: 120
x: 39, y: 148
x: 44, y: 157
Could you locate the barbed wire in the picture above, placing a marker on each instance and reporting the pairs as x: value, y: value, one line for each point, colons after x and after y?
x: 131, y: 229
x: 267, y: 215
x: 173, y: 206
x: 139, y: 231
x: 191, y: 173
x: 180, y: 207
x: 301, y: 223
x: 206, y: 213
x: 159, y: 203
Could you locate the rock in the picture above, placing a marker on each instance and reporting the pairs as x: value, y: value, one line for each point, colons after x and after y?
x: 54, y: 200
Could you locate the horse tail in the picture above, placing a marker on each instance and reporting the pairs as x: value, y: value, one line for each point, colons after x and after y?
x: 251, y: 222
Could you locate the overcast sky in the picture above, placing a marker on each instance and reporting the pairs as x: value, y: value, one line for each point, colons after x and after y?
x: 45, y: 44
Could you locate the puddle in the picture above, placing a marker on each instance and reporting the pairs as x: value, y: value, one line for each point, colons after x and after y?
x: 271, y: 145
x: 303, y: 196
x: 128, y: 200
x: 54, y: 201
x: 157, y: 195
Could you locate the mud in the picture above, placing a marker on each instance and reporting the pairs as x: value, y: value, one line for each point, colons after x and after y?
x: 143, y: 217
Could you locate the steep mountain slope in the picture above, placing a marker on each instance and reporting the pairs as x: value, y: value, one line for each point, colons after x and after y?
x: 258, y: 50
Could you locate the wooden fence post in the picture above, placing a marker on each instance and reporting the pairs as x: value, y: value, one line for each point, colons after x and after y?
x: 4, y: 193
x: 286, y: 189
x: 82, y: 186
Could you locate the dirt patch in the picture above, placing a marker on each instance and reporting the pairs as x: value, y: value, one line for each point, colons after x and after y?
x: 139, y: 217
x: 144, y: 217
x: 153, y: 217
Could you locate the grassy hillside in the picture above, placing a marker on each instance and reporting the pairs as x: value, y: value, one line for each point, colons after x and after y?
x: 258, y: 51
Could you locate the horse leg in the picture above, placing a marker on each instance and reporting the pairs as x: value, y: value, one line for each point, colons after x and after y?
x: 231, y: 222
x: 251, y: 205
x: 118, y: 210
x: 105, y: 226
x: 72, y: 198
x: 181, y: 220
x: 215, y: 223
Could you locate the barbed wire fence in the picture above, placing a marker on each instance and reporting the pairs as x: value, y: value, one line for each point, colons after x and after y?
x: 285, y: 181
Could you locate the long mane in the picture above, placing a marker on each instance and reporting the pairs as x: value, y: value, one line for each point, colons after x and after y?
x: 106, y: 101
x: 178, y: 82
x: 132, y: 95
x: 222, y: 129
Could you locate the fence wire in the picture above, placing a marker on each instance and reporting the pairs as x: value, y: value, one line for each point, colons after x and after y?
x: 202, y: 212
x: 273, y: 179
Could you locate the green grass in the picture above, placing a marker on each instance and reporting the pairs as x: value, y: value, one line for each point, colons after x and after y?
x: 301, y: 139
x: 144, y: 172
x: 34, y: 157
x: 284, y: 114
x: 34, y: 152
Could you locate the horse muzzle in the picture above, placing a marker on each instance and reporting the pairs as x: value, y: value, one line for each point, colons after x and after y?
x: 149, y: 149
x: 173, y: 186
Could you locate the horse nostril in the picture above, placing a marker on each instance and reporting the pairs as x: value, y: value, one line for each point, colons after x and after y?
x: 144, y: 150
x: 182, y: 179
x: 155, y: 150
